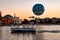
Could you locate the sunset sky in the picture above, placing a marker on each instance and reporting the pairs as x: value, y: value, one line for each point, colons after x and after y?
x: 23, y: 8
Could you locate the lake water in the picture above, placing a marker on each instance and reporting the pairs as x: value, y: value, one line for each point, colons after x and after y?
x: 5, y: 33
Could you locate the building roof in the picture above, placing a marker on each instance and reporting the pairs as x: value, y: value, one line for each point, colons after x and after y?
x: 8, y: 16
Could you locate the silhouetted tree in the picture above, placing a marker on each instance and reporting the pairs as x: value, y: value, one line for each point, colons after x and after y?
x: 58, y: 20
x: 25, y: 21
x: 41, y: 21
x: 47, y: 20
x: 54, y: 20
x: 34, y: 21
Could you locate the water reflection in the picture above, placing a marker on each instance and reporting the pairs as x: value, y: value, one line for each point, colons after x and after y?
x: 5, y: 34
x: 23, y: 36
x: 0, y: 34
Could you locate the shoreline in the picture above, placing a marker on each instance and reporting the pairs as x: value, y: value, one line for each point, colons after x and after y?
x: 31, y: 24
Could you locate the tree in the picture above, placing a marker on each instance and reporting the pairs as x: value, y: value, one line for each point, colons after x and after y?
x: 25, y: 21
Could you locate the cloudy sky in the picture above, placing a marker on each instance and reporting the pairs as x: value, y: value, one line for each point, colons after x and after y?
x: 23, y: 8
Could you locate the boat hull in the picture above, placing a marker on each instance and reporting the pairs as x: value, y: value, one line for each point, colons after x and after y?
x: 24, y: 30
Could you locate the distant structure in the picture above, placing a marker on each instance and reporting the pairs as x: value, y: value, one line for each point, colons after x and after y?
x: 17, y: 21
x: 0, y: 18
x: 0, y: 14
x: 9, y: 20
x: 13, y: 20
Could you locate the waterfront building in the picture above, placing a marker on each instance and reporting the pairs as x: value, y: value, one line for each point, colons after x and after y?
x: 7, y: 20
x: 17, y: 21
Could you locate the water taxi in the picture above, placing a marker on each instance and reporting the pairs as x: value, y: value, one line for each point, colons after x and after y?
x: 23, y: 29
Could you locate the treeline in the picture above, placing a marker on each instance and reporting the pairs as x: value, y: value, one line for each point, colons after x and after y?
x: 42, y: 21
